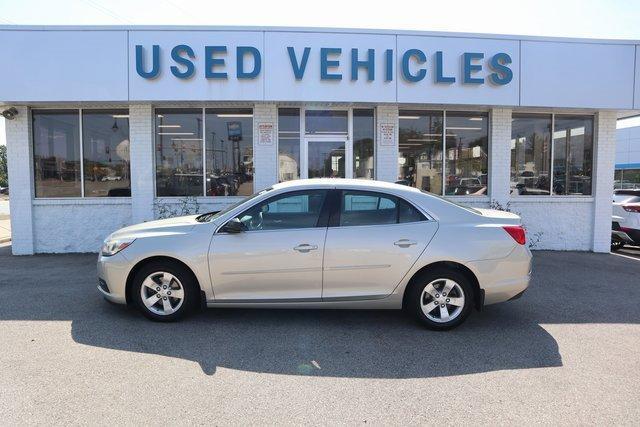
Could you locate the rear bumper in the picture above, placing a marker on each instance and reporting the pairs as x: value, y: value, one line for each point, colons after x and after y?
x: 504, y: 279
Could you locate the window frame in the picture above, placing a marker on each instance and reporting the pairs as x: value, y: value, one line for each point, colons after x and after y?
x: 79, y: 111
x: 203, y: 196
x: 594, y: 144
x: 444, y: 112
x: 336, y: 213
x: 349, y: 159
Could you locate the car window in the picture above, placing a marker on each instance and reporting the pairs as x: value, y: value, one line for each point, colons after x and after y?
x: 370, y: 208
x: 300, y: 209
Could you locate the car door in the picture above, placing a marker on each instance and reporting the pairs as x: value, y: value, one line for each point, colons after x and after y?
x: 372, y: 242
x: 278, y: 256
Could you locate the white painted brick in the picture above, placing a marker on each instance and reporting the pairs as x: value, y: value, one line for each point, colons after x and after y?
x: 20, y: 165
x: 386, y: 155
x: 604, y: 164
x: 265, y: 157
x: 142, y: 171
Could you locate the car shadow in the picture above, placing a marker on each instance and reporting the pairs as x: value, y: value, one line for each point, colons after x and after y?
x: 332, y: 343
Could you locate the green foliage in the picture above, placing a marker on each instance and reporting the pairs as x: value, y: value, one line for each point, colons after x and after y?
x: 4, y: 175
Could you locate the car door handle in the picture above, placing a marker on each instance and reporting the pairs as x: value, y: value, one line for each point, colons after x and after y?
x: 305, y: 248
x: 405, y: 243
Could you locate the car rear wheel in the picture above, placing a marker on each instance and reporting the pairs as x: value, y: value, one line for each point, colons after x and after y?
x: 441, y: 299
x: 165, y: 292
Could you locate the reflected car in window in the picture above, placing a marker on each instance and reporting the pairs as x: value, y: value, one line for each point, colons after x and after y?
x: 322, y: 243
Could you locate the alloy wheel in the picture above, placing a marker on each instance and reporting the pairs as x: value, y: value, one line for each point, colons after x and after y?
x: 442, y: 300
x: 162, y: 293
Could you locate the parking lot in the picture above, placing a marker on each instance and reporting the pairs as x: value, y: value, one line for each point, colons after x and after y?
x: 568, y: 352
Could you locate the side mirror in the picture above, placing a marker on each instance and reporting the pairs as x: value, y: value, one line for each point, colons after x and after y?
x: 234, y: 226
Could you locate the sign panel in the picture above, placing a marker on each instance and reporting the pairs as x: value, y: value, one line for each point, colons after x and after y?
x: 387, y: 134
x: 265, y: 133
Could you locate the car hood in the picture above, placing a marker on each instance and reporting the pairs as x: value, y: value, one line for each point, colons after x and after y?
x: 178, y: 225
x: 494, y: 215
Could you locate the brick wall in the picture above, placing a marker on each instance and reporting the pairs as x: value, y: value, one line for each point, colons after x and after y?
x: 604, y: 164
x: 499, y: 154
x: 265, y: 157
x: 20, y: 163
x: 142, y: 171
x: 386, y: 155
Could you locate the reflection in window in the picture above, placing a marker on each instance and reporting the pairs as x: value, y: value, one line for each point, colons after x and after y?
x: 420, y: 155
x: 363, y: 134
x: 627, y: 179
x: 467, y: 145
x: 299, y: 209
x: 326, y: 159
x: 332, y: 122
x: 370, y: 208
x: 229, y: 155
x: 105, y: 139
x: 288, y: 144
x: 530, y: 154
x: 56, y: 153
x: 573, y: 154
x: 179, y: 152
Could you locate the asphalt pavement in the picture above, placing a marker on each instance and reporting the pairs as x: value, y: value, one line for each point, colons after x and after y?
x: 567, y: 352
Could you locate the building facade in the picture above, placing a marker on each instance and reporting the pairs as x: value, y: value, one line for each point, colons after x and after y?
x: 119, y: 125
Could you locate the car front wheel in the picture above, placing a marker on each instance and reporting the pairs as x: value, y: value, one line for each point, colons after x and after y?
x: 165, y: 292
x: 441, y: 299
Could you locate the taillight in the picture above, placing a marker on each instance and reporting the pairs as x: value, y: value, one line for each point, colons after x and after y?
x: 631, y: 208
x: 517, y: 232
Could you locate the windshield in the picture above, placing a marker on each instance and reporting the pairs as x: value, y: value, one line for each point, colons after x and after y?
x: 209, y: 216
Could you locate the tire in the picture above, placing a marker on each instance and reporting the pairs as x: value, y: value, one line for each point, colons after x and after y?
x: 421, y: 301
x: 169, y: 280
x: 616, y: 245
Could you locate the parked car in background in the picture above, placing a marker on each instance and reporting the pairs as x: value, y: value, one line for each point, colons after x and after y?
x: 4, y: 190
x: 626, y: 207
x: 322, y: 243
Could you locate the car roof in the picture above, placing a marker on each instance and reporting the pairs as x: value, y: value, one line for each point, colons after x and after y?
x: 364, y: 184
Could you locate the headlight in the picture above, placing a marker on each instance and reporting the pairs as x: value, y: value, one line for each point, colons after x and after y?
x: 113, y: 246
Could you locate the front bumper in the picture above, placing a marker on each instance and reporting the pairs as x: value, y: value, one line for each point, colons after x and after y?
x: 112, y: 277
x: 504, y: 279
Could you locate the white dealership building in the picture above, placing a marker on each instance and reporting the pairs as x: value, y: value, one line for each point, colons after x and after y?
x: 117, y: 125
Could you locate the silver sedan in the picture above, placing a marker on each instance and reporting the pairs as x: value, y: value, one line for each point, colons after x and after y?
x: 322, y: 243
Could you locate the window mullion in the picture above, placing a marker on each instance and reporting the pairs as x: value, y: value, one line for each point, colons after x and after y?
x: 444, y: 150
x: 81, y: 153
x: 553, y: 153
x: 204, y: 152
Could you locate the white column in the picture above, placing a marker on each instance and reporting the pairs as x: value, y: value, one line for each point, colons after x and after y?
x: 21, y: 191
x: 386, y: 155
x: 265, y: 156
x: 604, y: 165
x: 499, y: 155
x: 142, y: 162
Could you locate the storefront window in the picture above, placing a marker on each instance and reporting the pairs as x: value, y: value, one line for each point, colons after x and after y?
x: 363, y: 145
x: 288, y: 144
x: 229, y: 151
x: 105, y: 139
x: 530, y: 154
x: 573, y: 154
x: 56, y: 153
x: 322, y: 122
x: 466, y: 163
x: 420, y: 150
x: 179, y: 152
